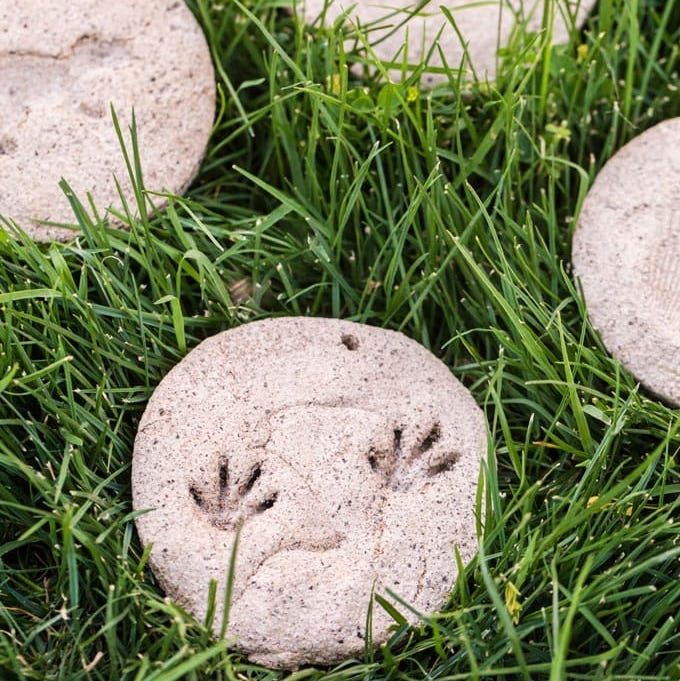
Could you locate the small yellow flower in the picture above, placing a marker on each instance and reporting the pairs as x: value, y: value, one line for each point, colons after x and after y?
x: 511, y: 603
x: 581, y: 53
x: 593, y: 500
x: 411, y: 94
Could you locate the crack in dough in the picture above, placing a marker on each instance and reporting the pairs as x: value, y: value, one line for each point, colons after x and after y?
x: 94, y: 43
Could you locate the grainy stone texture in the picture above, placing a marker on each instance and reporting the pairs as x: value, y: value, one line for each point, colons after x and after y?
x: 626, y: 254
x: 62, y: 65
x: 351, y: 454
x: 484, y: 26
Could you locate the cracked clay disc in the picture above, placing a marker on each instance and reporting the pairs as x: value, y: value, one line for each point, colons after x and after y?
x: 62, y: 66
x: 484, y: 26
x: 349, y: 453
x: 626, y: 253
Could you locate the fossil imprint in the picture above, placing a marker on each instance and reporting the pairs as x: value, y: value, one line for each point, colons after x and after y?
x: 626, y: 255
x: 349, y: 457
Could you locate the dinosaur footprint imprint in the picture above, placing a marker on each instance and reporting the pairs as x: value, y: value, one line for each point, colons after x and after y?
x: 410, y: 459
x: 227, y: 502
x: 437, y: 461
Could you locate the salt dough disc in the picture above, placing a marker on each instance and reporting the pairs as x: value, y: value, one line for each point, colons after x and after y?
x: 485, y: 27
x: 62, y: 65
x: 626, y: 254
x: 350, y: 453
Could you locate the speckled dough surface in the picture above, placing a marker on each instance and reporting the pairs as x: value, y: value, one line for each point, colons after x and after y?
x: 352, y: 455
x: 484, y: 26
x: 626, y: 253
x: 62, y: 64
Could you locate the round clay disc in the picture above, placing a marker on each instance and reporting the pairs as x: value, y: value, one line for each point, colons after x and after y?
x: 350, y: 455
x: 484, y: 26
x: 626, y: 253
x: 62, y: 66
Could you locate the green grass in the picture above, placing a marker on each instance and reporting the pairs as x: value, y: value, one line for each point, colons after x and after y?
x: 447, y: 216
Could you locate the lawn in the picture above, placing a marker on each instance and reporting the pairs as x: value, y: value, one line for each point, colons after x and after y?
x: 445, y: 214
